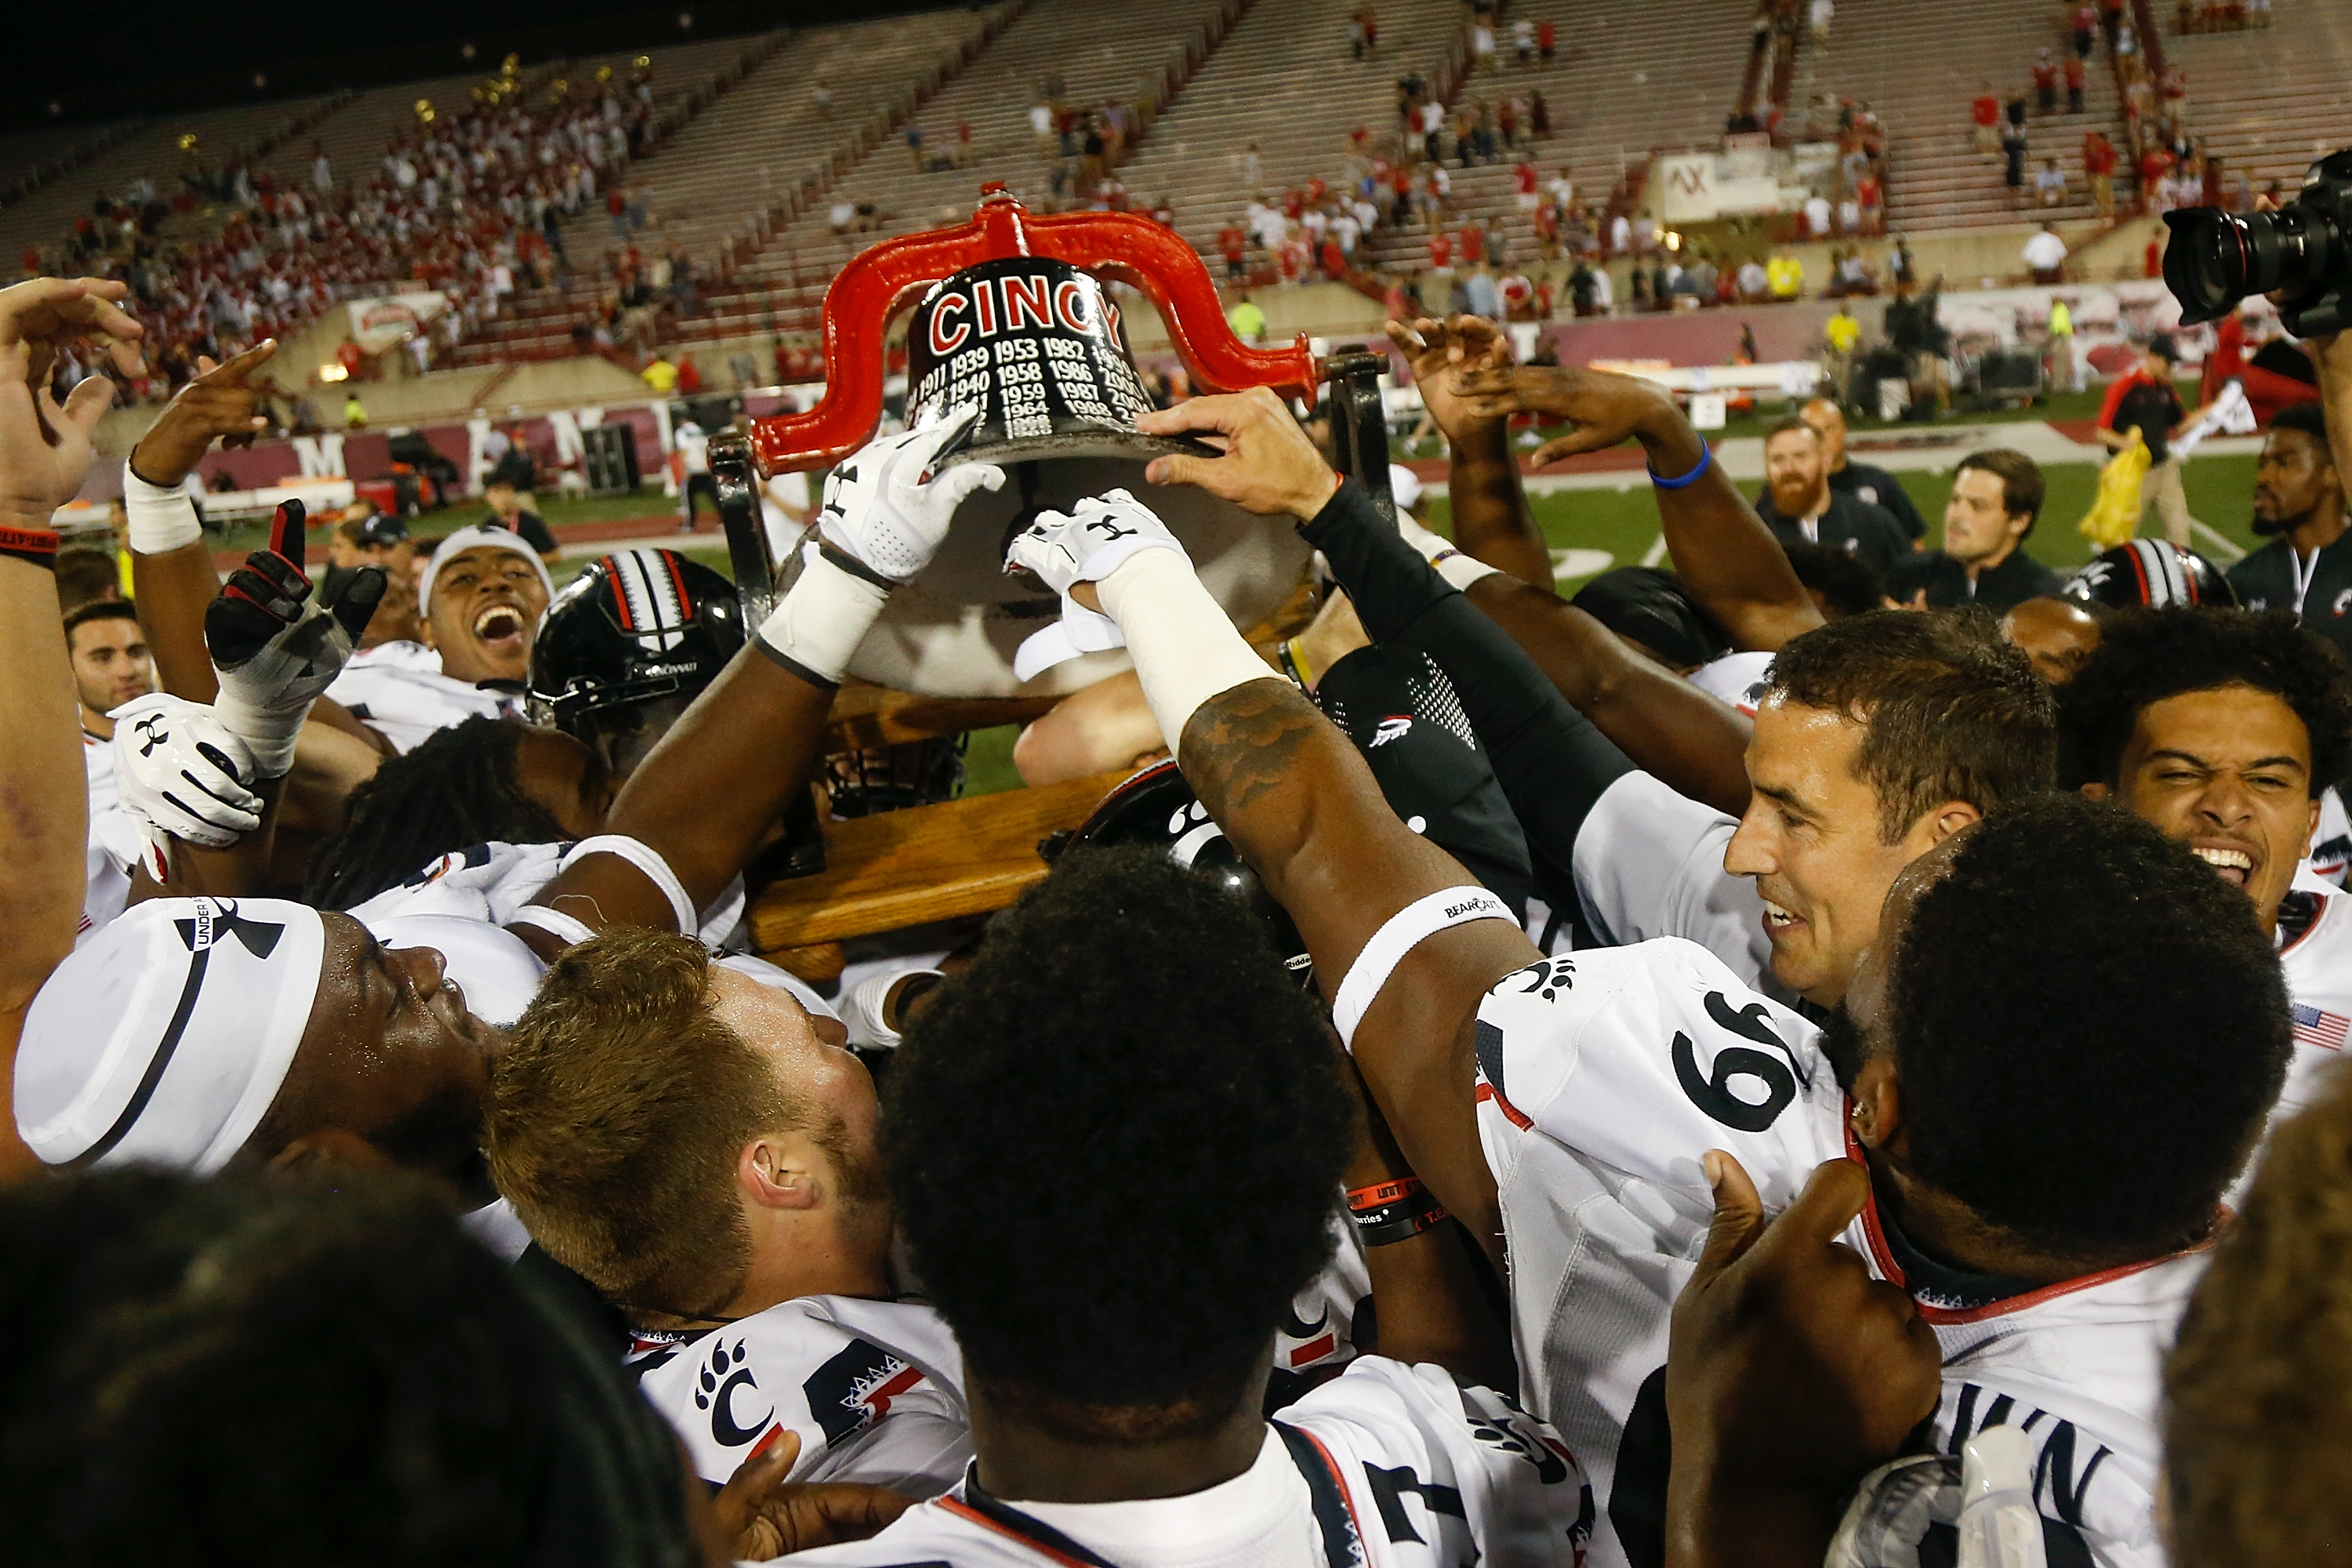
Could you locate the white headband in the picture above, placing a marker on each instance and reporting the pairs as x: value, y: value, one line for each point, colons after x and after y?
x: 474, y: 538
x: 165, y: 1036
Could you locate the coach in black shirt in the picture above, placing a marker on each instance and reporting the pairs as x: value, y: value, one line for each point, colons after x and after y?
x: 2306, y: 567
x: 1996, y: 496
x: 1860, y: 481
x: 1799, y: 504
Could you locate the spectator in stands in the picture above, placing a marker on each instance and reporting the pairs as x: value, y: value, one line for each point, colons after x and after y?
x: 2099, y: 158
x: 1755, y: 282
x: 1822, y: 14
x: 2063, y: 376
x: 689, y: 376
x: 2046, y: 82
x: 1798, y: 503
x: 2045, y: 253
x: 1843, y: 334
x: 2085, y: 23
x: 354, y: 411
x: 1984, y: 112
x: 2013, y: 147
x: 513, y: 463
x: 1817, y: 216
x: 2049, y: 189
x: 659, y: 374
x: 1785, y: 276
x: 506, y: 512
x: 2078, y: 77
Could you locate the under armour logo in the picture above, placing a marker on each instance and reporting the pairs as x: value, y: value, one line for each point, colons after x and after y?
x: 215, y: 921
x: 151, y: 733
x: 1104, y: 525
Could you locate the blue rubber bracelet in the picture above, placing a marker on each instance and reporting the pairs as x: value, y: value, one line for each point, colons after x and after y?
x: 1706, y: 455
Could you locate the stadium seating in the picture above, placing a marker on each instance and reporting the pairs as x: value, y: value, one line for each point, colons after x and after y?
x: 1104, y: 54
x: 1620, y: 88
x: 2269, y: 100
x: 1920, y: 65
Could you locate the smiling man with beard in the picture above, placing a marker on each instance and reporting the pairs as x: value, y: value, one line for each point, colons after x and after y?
x: 479, y: 607
x: 2222, y: 727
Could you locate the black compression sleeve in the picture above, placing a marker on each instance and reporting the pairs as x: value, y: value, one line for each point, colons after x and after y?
x: 1550, y: 761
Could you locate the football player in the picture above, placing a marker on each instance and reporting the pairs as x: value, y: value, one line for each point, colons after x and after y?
x: 2038, y: 1183
x: 698, y: 1147
x: 2222, y: 727
x: 1117, y: 1241
x: 254, y: 1031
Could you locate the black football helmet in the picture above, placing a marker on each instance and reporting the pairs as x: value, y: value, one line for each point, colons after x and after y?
x: 1157, y: 808
x: 2154, y: 573
x: 626, y: 645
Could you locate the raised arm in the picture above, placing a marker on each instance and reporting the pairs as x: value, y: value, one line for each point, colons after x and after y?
x: 45, y: 453
x: 1492, y: 520
x: 701, y: 800
x: 171, y: 574
x: 1296, y: 798
x: 1723, y: 552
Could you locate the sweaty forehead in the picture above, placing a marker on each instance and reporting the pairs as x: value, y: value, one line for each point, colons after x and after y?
x: 764, y: 1017
x: 2224, y: 724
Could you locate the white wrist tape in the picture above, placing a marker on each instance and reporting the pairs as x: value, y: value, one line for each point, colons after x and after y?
x: 269, y: 734
x: 824, y: 616
x: 555, y: 922
x: 162, y: 518
x: 1400, y: 934
x: 1453, y: 565
x: 1185, y: 648
x: 645, y: 858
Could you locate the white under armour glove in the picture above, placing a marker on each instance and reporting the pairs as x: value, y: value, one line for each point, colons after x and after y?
x: 275, y: 647
x: 889, y: 505
x: 1086, y: 545
x: 182, y: 773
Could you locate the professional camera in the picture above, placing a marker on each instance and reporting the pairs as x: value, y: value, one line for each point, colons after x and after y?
x: 2216, y: 258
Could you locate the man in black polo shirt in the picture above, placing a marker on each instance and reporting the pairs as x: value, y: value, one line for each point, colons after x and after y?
x: 1996, y: 496
x: 2306, y: 567
x: 1860, y: 481
x: 1799, y: 504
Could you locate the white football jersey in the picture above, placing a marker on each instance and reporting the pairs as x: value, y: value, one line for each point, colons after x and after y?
x: 115, y: 841
x: 1648, y: 863
x: 1603, y: 1077
x: 874, y: 1388
x: 1386, y: 1466
x: 2331, y: 841
x: 1326, y: 1320
x: 397, y: 690
x: 2315, y: 939
x: 492, y: 882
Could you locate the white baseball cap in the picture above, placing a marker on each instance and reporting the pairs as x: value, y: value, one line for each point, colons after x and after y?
x: 477, y: 536
x: 163, y: 1039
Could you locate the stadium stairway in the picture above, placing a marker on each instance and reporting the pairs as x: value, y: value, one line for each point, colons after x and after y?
x: 2269, y: 100
x: 1620, y: 90
x: 762, y: 145
x: 1920, y: 65
x: 1104, y: 54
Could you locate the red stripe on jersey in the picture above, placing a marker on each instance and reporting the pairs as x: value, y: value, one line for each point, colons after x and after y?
x: 965, y: 1511
x: 1315, y: 1349
x: 1511, y: 1113
x: 880, y: 1398
x: 1892, y: 1272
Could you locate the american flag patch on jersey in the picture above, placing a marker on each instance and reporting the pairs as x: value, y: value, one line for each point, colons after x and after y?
x: 2313, y: 1028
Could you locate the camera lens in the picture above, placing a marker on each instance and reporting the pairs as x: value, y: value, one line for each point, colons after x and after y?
x: 2208, y: 261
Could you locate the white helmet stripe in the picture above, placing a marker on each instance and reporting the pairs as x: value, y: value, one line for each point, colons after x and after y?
x: 652, y: 598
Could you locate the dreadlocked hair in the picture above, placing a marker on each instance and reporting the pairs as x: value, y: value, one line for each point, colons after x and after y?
x: 456, y: 790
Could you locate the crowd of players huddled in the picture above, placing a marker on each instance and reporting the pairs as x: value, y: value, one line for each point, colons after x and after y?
x: 1721, y: 1069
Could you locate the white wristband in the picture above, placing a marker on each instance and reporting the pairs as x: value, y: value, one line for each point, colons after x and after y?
x: 162, y: 518
x: 1185, y: 649
x: 824, y: 616
x: 1400, y: 934
x: 645, y: 858
x: 1453, y: 565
